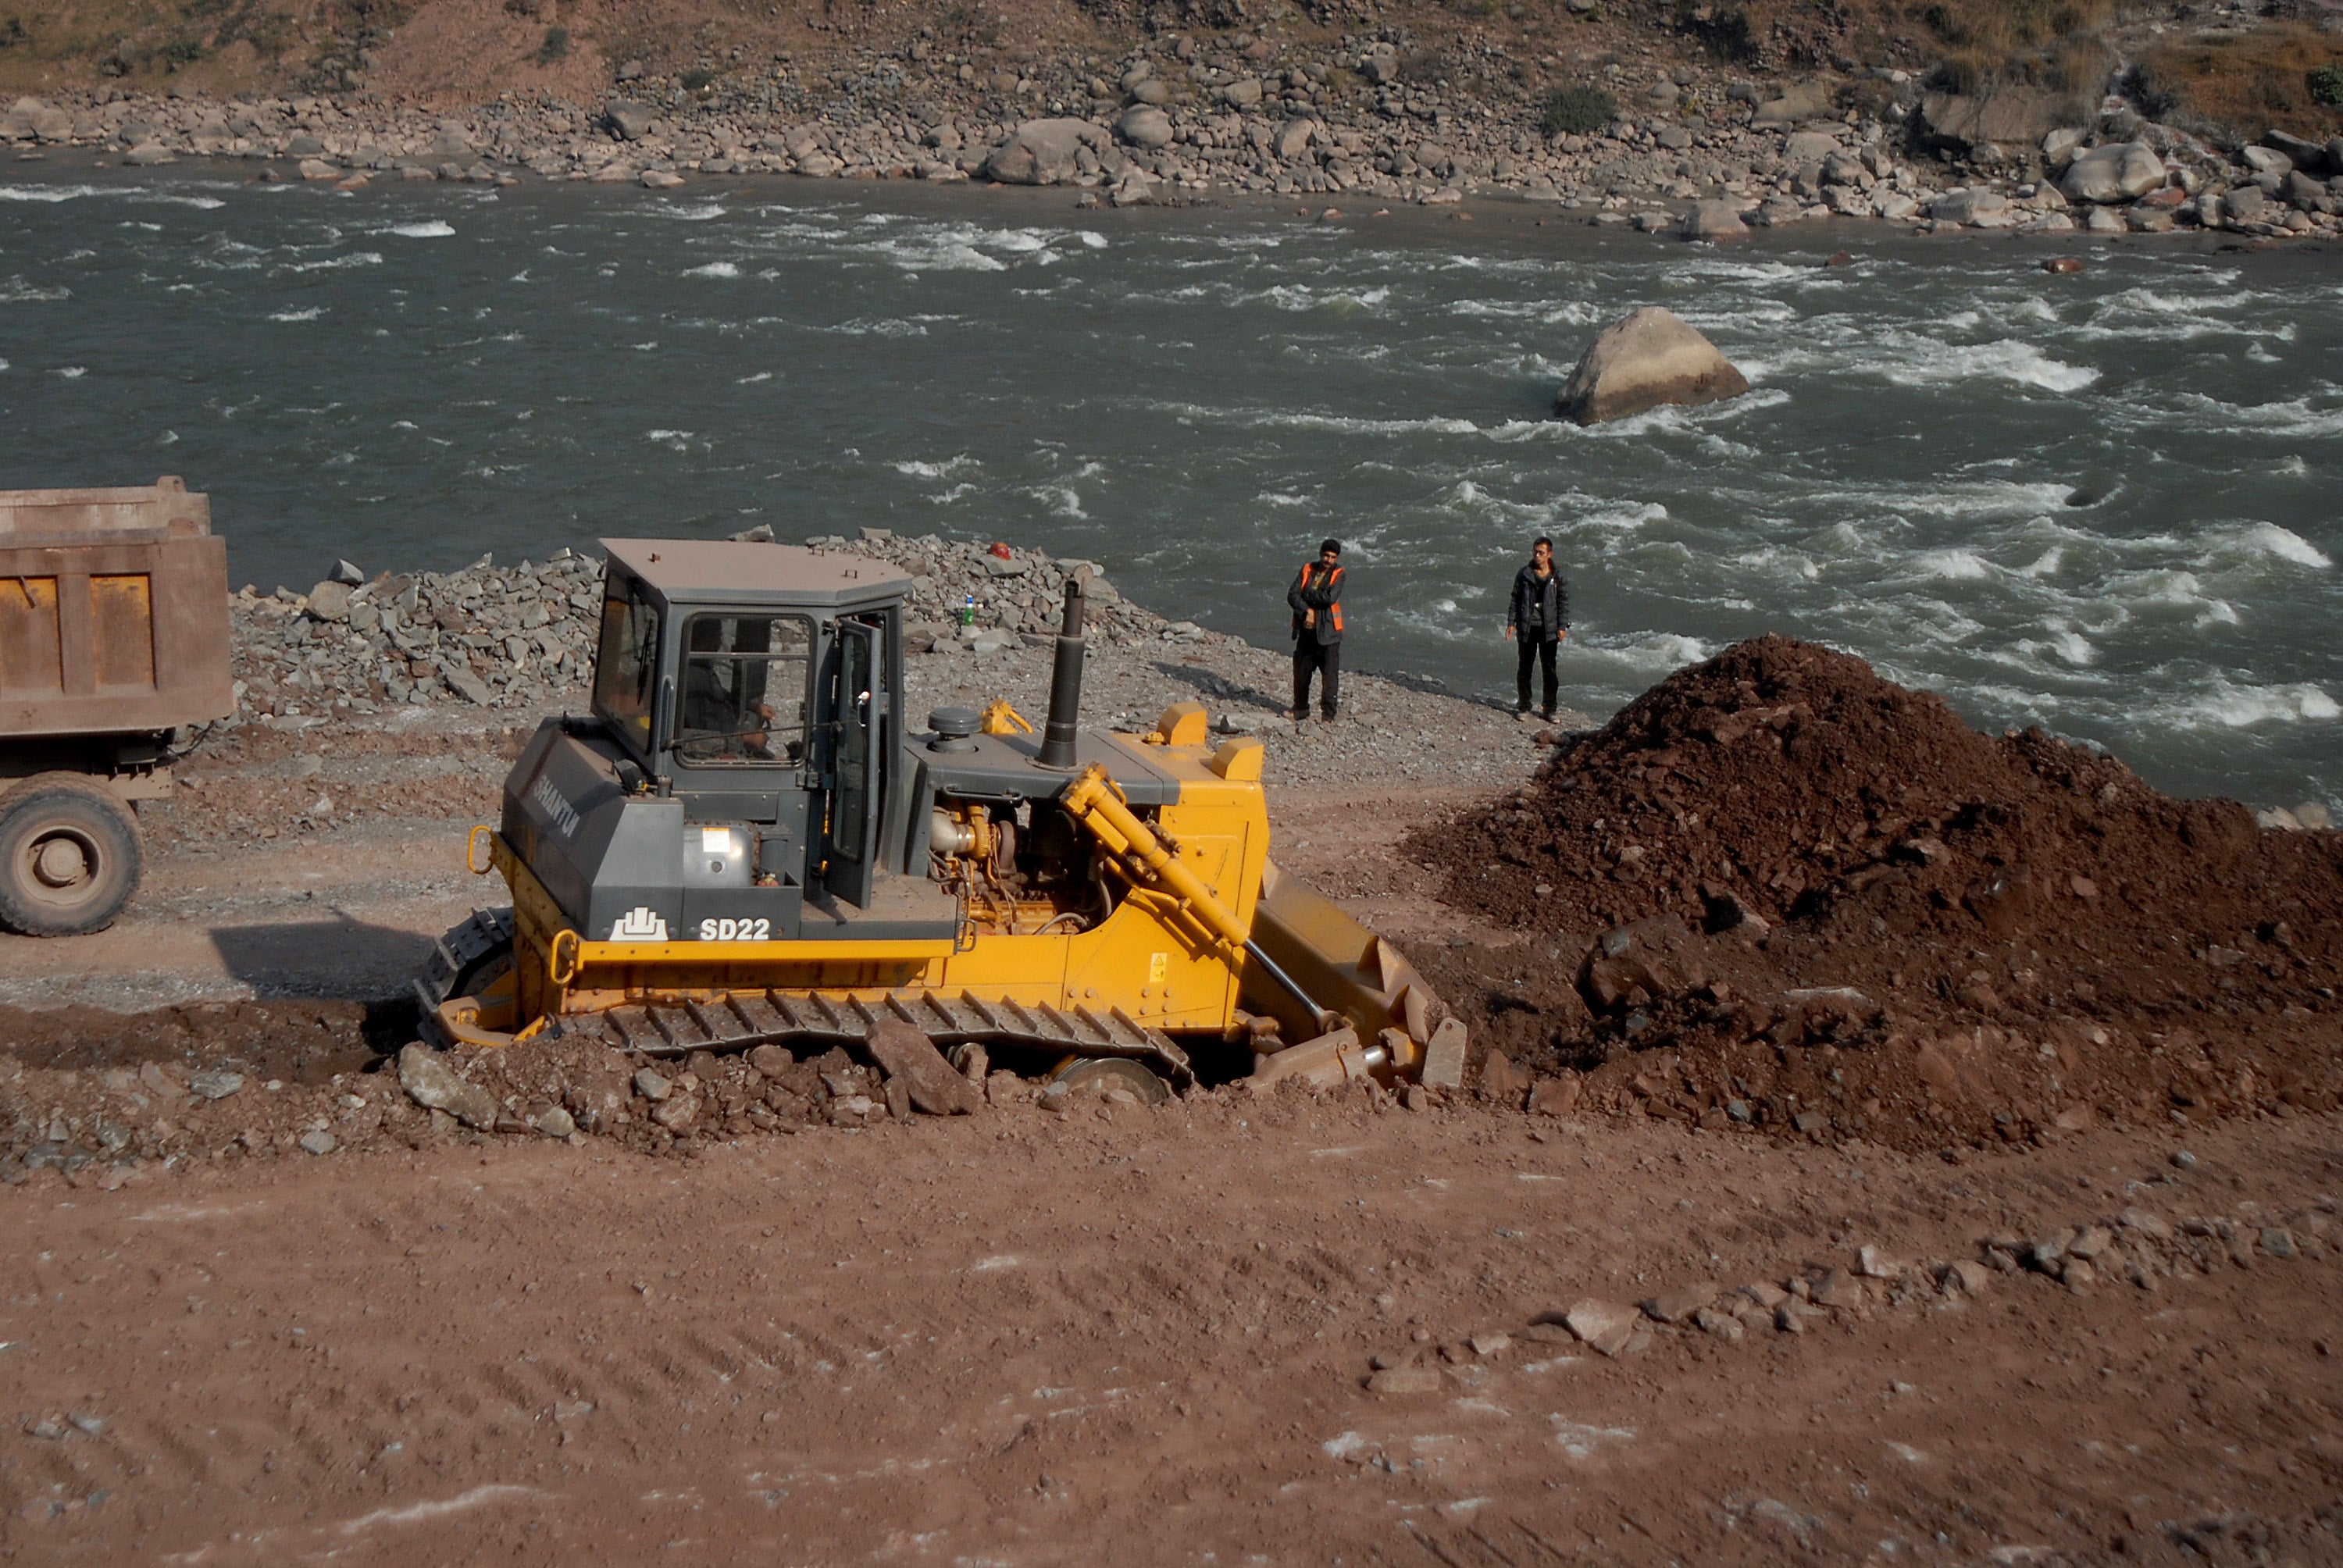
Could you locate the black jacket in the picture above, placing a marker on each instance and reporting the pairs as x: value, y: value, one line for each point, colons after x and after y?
x: 1316, y: 587
x: 1540, y: 608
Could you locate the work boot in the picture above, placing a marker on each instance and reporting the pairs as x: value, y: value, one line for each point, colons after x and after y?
x: 1521, y: 716
x: 1297, y: 714
x: 1547, y: 716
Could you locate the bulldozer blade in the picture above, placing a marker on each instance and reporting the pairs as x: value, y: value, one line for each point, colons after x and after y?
x: 1343, y: 967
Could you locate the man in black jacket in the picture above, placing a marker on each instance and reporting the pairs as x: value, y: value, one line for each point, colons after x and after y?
x: 1316, y: 597
x: 1536, y: 623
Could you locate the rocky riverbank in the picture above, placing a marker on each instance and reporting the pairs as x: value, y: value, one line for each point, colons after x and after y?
x: 1695, y: 150
x: 522, y: 635
x: 381, y: 660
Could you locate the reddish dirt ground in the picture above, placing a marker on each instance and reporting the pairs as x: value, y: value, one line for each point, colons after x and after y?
x: 1142, y: 1337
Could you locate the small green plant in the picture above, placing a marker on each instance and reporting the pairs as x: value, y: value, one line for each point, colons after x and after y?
x: 183, y: 50
x: 698, y: 79
x: 2327, y: 85
x: 555, y: 47
x: 1578, y: 111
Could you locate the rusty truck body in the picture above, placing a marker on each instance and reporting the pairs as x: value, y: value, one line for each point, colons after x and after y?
x: 113, y: 638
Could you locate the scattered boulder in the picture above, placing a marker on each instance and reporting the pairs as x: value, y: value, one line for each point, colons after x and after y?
x: 1604, y: 1325
x: 906, y: 1053
x: 1041, y: 153
x: 1712, y: 221
x: 1808, y: 148
x: 630, y: 121
x: 2059, y: 147
x: 1501, y: 1081
x: 215, y: 1083
x: 1676, y: 1306
x: 2246, y: 203
x: 1648, y: 359
x: 1144, y: 127
x: 2310, y: 157
x: 2117, y: 173
x: 2005, y: 114
x: 1639, y: 964
x: 1968, y: 206
x: 1799, y: 101
x: 1555, y: 1096
x: 434, y: 1085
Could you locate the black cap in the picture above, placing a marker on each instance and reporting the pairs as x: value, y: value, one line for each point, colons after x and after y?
x: 1330, y: 547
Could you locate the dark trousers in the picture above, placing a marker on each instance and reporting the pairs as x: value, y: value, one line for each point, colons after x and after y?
x: 1311, y: 656
x: 1541, y: 649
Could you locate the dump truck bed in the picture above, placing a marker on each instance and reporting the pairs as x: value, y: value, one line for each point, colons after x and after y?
x: 113, y: 618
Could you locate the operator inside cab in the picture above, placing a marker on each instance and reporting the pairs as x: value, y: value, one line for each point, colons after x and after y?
x: 744, y: 686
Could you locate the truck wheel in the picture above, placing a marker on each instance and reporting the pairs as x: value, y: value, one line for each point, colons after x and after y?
x: 69, y: 856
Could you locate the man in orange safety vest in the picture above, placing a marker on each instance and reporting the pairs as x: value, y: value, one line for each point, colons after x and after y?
x: 1316, y: 597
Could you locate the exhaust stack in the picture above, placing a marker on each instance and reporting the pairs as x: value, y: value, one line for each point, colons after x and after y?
x: 1065, y: 685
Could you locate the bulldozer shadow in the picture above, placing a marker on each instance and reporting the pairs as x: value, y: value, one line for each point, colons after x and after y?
x: 1225, y: 692
x: 337, y: 958
x: 1236, y: 694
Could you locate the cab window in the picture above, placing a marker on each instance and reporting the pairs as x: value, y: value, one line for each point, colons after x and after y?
x: 626, y: 663
x: 743, y: 699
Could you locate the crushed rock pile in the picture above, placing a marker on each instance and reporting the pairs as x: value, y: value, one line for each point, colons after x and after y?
x: 521, y: 636
x: 1779, y: 892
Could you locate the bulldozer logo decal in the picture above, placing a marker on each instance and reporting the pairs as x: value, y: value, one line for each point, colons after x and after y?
x: 565, y: 818
x: 639, y: 924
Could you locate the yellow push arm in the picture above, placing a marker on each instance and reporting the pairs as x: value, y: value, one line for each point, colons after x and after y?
x: 1093, y: 801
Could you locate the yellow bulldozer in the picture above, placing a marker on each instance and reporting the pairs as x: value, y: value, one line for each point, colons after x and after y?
x: 743, y: 842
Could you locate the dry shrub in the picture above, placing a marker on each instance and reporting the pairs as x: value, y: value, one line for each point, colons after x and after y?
x: 2005, y: 29
x: 2259, y: 81
x: 2054, y: 45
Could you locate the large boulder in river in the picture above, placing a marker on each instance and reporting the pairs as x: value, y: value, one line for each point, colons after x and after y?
x: 1042, y: 152
x: 2118, y: 173
x: 1642, y: 361
x: 1712, y: 221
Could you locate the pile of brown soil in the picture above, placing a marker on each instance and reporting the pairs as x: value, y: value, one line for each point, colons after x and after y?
x: 1846, y: 913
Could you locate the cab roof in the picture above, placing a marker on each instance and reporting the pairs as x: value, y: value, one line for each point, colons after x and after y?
x: 726, y: 571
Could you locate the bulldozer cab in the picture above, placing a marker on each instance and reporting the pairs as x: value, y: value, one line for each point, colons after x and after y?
x: 758, y: 684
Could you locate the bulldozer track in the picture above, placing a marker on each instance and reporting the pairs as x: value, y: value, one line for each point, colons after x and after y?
x: 741, y: 1019
x: 482, y: 934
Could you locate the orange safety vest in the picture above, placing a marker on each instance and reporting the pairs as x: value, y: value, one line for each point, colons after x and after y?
x: 1335, y: 609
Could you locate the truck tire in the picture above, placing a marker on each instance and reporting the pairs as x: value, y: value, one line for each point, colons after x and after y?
x: 69, y: 856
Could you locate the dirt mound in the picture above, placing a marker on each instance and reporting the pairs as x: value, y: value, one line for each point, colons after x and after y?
x: 1832, y: 907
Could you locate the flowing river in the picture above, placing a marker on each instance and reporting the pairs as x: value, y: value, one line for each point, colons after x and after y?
x: 411, y: 376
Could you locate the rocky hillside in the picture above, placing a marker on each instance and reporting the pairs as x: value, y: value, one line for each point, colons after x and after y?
x: 1677, y: 114
x: 1681, y: 116
x: 2247, y: 69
